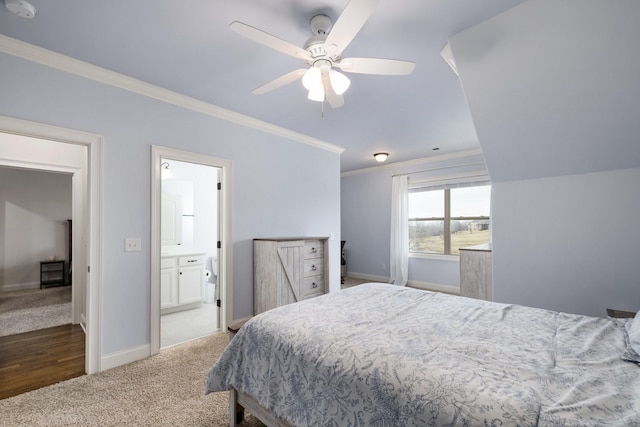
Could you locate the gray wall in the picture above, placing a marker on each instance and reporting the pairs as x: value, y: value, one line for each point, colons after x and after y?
x: 34, y: 209
x: 554, y: 92
x: 568, y: 243
x: 273, y: 192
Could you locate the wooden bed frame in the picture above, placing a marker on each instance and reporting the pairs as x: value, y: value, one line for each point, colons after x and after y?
x: 239, y: 401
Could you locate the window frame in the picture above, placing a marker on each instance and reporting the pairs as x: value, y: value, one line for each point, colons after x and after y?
x: 447, y: 255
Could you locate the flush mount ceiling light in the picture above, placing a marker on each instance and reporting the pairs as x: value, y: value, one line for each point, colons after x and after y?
x: 21, y: 8
x: 381, y: 157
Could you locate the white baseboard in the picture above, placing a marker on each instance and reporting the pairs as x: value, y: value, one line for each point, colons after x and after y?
x: 427, y: 286
x: 436, y: 287
x: 369, y: 277
x: 19, y: 287
x: 123, y: 357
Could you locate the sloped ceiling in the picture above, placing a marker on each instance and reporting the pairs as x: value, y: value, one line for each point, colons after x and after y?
x: 554, y: 87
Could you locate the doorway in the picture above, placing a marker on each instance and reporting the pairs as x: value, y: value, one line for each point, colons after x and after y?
x: 189, y: 252
x: 35, y: 146
x: 190, y: 246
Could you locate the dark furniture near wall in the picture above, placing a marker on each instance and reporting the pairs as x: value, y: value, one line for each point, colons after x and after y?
x: 620, y: 314
x: 52, y: 273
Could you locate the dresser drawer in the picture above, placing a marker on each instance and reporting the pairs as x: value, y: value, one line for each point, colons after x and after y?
x: 186, y: 261
x: 313, y: 249
x: 313, y: 267
x: 312, y: 286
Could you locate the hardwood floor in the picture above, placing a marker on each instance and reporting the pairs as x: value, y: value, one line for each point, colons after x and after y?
x: 39, y: 358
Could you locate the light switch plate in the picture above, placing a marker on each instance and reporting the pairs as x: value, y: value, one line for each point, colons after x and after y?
x: 132, y: 244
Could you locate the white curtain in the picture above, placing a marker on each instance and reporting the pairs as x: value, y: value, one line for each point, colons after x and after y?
x: 399, y: 264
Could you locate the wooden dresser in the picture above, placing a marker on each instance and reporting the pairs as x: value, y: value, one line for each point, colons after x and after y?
x: 288, y: 270
x: 476, y: 278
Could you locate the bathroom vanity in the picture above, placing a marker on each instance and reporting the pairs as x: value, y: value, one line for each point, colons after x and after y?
x: 181, y: 280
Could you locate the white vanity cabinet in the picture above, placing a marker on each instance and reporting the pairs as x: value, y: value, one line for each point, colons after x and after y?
x: 181, y: 281
x: 168, y: 282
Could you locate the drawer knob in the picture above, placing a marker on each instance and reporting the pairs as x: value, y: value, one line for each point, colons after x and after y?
x: 314, y: 285
x: 313, y: 267
x: 314, y: 250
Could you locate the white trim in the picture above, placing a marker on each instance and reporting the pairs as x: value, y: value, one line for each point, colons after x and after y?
x: 94, y: 284
x: 61, y: 62
x: 414, y: 162
x: 451, y: 179
x: 123, y: 357
x: 225, y: 269
x: 447, y: 55
x: 93, y: 227
x: 435, y: 257
x: 434, y: 287
x: 19, y: 287
x: 426, y: 286
x: 370, y: 277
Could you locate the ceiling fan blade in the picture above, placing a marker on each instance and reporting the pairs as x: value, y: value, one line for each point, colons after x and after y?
x: 330, y: 94
x: 390, y: 67
x: 268, y: 40
x: 353, y: 17
x: 280, y: 81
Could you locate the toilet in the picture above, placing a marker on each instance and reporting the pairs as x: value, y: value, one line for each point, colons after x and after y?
x: 211, y: 279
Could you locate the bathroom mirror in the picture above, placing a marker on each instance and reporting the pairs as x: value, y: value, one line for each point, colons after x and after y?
x: 177, y: 212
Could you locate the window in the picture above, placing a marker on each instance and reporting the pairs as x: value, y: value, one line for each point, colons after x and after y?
x: 441, y: 221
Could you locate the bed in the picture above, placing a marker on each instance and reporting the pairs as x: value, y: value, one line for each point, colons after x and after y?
x: 382, y: 355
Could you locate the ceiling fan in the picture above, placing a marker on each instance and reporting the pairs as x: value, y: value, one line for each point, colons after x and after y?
x: 322, y: 52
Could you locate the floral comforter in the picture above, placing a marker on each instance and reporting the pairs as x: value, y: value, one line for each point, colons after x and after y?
x: 382, y: 355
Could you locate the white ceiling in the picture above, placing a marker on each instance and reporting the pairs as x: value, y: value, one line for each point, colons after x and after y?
x: 186, y: 46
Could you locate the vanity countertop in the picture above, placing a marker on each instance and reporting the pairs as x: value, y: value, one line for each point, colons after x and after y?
x: 178, y: 250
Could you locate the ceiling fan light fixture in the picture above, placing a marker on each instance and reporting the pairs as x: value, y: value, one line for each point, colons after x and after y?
x: 316, y: 94
x: 381, y: 157
x: 312, y: 79
x: 339, y: 82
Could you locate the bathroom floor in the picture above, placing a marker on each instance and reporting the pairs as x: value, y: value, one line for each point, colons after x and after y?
x: 188, y: 325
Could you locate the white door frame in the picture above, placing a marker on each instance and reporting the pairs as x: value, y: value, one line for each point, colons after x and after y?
x: 225, y: 259
x: 87, y: 209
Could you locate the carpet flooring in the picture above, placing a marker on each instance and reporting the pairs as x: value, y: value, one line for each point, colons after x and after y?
x: 163, y: 390
x: 28, y: 310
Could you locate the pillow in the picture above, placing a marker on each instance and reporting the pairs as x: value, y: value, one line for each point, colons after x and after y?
x: 632, y: 354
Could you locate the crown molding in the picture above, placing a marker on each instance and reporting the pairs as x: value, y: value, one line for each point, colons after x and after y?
x: 70, y: 65
x: 415, y: 162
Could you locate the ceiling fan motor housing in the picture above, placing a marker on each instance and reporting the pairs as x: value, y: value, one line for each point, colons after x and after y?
x: 321, y: 25
x: 316, y: 47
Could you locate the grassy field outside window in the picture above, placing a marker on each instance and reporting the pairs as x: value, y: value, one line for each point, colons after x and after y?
x: 443, y: 221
